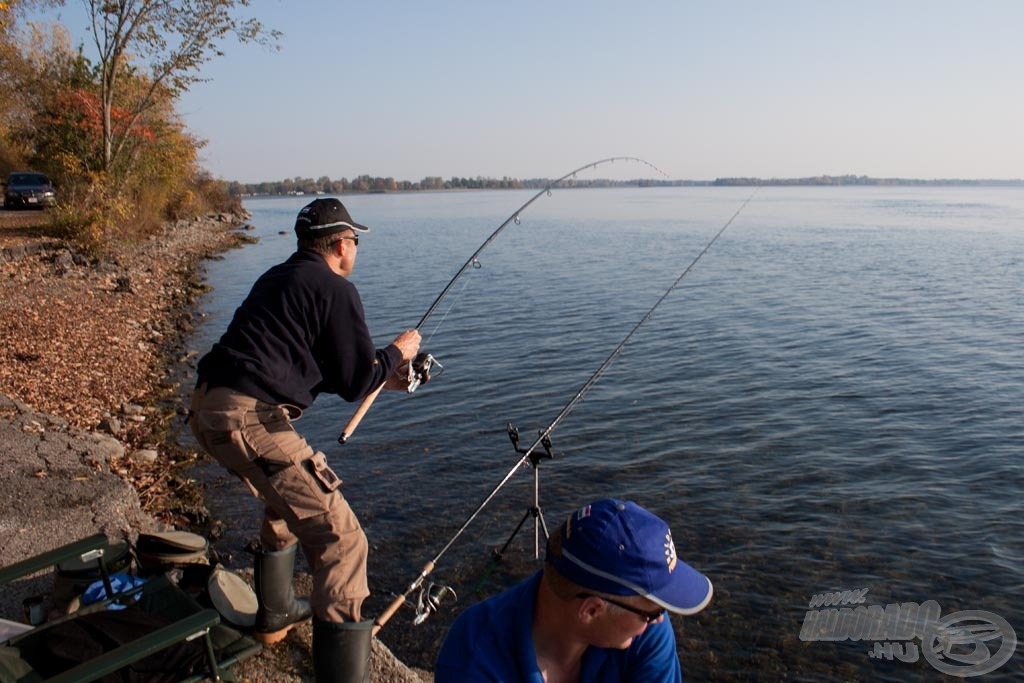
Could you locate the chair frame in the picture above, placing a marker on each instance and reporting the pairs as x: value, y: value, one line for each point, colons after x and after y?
x: 194, y: 626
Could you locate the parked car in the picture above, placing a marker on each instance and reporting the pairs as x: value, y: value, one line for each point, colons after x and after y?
x: 27, y: 189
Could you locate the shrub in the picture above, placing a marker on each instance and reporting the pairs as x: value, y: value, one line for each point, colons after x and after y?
x: 91, y: 213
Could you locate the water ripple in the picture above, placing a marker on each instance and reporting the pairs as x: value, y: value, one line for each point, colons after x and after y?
x: 832, y: 399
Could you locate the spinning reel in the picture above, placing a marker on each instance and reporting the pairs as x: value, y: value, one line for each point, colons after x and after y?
x: 419, y: 370
x: 430, y: 599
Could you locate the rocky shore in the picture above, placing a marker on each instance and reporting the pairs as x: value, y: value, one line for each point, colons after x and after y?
x: 88, y: 397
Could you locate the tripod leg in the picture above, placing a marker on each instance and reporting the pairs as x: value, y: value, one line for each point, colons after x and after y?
x: 538, y: 516
x: 499, y: 553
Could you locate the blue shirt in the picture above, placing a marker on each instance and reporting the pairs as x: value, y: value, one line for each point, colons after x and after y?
x: 492, y: 641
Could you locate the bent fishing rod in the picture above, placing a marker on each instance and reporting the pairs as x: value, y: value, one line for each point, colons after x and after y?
x: 430, y: 598
x: 419, y: 368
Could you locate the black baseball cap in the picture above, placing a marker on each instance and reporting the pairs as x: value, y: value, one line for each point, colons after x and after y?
x: 323, y: 217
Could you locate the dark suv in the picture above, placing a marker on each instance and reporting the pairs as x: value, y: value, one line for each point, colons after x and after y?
x: 28, y: 189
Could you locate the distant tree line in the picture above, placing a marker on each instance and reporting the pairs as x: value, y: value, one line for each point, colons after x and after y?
x: 859, y: 180
x: 366, y: 183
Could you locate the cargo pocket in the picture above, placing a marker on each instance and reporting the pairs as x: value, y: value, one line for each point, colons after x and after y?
x: 220, y: 421
x: 329, y: 481
x: 282, y: 456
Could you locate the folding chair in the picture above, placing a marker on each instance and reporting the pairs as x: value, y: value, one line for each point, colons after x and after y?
x: 165, y: 617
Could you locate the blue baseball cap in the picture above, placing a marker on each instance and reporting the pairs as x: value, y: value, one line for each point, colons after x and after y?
x: 619, y: 548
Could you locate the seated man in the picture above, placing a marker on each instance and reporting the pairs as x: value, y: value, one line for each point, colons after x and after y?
x: 594, y: 613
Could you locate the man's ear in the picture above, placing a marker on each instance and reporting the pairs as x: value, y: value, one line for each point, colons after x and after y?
x: 589, y: 610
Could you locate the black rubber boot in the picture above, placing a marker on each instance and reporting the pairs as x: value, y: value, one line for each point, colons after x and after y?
x: 279, y: 611
x: 341, y: 651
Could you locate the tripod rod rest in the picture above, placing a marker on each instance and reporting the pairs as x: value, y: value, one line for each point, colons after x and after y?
x: 535, y: 457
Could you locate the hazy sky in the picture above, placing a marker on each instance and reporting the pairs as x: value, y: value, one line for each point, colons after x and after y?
x: 765, y: 88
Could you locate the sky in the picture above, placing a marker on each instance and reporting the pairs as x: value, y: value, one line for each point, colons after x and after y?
x: 701, y: 89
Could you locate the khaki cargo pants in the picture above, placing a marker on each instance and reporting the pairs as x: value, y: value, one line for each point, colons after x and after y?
x: 257, y: 442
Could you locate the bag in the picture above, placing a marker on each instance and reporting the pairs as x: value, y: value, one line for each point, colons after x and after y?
x: 86, y: 637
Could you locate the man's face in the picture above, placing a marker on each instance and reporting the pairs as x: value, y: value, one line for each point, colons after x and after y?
x: 349, y: 245
x: 616, y: 627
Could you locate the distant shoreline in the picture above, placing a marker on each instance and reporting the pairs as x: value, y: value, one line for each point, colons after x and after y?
x: 281, y: 188
x: 828, y: 181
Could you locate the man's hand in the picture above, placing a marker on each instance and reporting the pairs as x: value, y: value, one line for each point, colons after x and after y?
x: 399, y: 379
x: 408, y: 343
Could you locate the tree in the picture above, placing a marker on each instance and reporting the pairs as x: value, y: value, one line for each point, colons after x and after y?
x: 34, y: 65
x: 109, y: 135
x: 175, y: 37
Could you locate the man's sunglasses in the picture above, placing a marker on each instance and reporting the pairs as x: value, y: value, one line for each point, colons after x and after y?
x: 648, y: 617
x: 354, y: 238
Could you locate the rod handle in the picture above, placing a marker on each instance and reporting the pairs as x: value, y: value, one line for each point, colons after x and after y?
x: 358, y: 416
x: 386, y: 615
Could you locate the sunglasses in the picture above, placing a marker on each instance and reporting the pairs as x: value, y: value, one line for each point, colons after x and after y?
x: 354, y: 238
x: 648, y: 617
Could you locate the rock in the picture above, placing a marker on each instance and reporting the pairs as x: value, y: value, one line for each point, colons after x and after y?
x: 110, y: 425
x: 63, y: 262
x: 100, y: 448
x: 105, y: 267
x: 33, y: 427
x: 144, y: 455
x: 13, y: 254
x: 123, y: 284
x: 132, y: 409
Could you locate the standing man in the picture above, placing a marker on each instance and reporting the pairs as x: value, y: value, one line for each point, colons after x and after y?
x: 595, y: 613
x: 300, y: 332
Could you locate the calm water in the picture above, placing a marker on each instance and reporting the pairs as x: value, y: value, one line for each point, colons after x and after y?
x: 831, y: 400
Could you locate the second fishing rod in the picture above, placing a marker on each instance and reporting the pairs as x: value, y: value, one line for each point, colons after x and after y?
x: 419, y: 369
x: 431, y: 596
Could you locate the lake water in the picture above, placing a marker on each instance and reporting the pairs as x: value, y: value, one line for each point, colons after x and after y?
x: 833, y: 399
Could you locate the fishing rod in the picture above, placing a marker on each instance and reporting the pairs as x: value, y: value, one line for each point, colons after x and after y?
x: 419, y: 368
x: 431, y: 597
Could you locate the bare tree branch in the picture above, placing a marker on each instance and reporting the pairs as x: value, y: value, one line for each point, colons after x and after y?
x: 174, y: 37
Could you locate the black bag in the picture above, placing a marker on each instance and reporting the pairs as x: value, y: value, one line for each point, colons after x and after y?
x: 88, y: 636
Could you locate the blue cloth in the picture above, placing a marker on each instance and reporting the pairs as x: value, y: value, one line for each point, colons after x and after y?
x: 492, y: 641
x: 119, y: 582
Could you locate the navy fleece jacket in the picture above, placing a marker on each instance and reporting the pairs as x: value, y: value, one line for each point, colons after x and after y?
x: 299, y: 333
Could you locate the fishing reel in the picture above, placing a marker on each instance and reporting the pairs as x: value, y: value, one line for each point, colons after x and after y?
x: 419, y: 370
x: 430, y: 599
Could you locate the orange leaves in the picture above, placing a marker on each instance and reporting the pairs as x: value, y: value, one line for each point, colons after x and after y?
x: 82, y: 109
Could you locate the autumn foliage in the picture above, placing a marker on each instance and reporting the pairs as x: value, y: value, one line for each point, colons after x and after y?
x: 107, y: 132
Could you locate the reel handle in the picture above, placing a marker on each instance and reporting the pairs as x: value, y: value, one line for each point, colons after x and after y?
x: 359, y: 414
x: 386, y: 615
x: 419, y: 372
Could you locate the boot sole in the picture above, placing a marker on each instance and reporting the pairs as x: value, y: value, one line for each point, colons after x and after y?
x: 274, y: 637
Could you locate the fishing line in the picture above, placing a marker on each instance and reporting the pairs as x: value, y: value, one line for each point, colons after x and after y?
x: 436, y: 592
x: 419, y: 369
x: 455, y: 300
